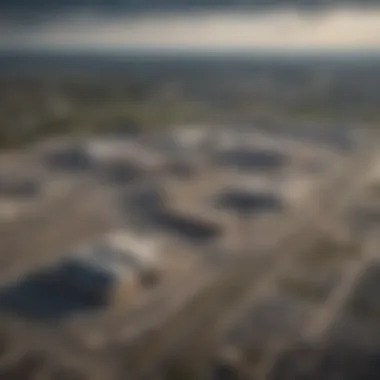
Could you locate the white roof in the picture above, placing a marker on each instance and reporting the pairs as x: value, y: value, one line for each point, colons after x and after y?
x: 118, y: 252
x: 103, y: 149
x: 190, y: 136
x: 143, y: 248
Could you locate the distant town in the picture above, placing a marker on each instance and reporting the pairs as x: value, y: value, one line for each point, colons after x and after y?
x: 48, y: 94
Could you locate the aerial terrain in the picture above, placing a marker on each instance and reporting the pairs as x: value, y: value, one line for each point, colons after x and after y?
x: 206, y: 251
x: 189, y: 190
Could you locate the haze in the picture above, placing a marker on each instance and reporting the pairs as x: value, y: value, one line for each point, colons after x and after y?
x: 340, y: 29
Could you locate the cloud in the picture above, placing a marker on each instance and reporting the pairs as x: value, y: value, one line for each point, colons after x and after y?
x: 337, y: 29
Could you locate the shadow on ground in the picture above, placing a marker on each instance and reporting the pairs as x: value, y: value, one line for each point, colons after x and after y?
x: 52, y: 294
x: 248, y: 202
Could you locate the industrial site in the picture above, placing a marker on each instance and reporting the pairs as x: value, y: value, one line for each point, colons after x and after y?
x: 202, y: 252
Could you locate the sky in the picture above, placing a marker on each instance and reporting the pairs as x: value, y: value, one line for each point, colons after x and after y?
x: 286, y: 30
